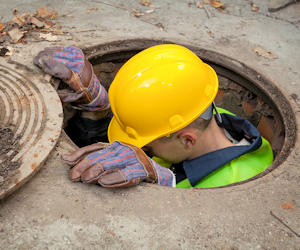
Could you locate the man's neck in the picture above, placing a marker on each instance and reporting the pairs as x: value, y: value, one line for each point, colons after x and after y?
x: 213, y: 138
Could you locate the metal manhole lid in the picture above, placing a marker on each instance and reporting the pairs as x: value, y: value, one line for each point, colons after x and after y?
x: 30, y: 123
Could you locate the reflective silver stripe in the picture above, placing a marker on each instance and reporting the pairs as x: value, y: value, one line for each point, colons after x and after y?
x: 217, y: 112
x: 207, y: 114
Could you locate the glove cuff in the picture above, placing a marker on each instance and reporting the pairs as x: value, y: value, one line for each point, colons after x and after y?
x: 82, y: 82
x: 165, y: 176
x: 151, y: 172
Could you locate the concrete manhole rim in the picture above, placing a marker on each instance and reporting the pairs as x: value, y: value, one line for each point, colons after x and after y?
x: 38, y: 123
x: 261, y: 83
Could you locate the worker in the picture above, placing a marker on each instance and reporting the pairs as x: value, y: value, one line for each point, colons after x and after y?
x: 162, y: 105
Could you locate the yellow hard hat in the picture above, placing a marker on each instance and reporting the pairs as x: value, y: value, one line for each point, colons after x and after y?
x: 157, y: 92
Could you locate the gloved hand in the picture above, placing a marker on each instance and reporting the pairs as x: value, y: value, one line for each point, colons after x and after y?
x: 116, y: 165
x: 70, y: 65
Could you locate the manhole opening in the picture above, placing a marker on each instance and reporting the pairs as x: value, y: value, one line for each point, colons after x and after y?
x: 242, y: 91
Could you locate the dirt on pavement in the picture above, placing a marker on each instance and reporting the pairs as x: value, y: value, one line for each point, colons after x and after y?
x: 8, y: 149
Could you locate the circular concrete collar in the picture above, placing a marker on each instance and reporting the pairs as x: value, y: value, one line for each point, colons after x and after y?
x: 31, y: 109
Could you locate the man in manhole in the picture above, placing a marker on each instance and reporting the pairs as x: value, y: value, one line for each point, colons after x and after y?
x: 165, y: 127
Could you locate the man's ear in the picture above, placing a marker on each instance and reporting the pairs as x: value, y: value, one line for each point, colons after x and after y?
x: 188, y: 139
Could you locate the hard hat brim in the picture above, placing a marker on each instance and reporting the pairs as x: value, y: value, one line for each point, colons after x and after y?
x: 116, y: 133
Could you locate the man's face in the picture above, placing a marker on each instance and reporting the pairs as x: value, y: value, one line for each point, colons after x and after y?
x: 170, y: 150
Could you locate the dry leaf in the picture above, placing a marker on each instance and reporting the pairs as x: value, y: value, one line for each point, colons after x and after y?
x: 160, y: 26
x: 112, y: 233
x: 25, y: 18
x: 287, y: 206
x: 264, y: 53
x: 145, y: 3
x: 216, y: 4
x: 15, y: 12
x: 254, y: 7
x: 49, y: 24
x: 22, y: 19
x: 17, y: 20
x: 15, y: 34
x: 44, y: 12
x: 3, y: 37
x: 92, y: 8
x: 190, y: 4
x: 199, y: 4
x: 37, y: 22
x: 10, y: 51
x: 149, y: 11
x: 48, y: 37
x: 53, y: 14
x: 211, y: 34
x: 23, y: 41
x: 2, y: 27
x: 58, y: 32
x: 136, y: 12
x: 206, y: 1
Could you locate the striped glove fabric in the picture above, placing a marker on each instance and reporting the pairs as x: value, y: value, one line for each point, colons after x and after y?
x: 70, y: 65
x: 116, y: 165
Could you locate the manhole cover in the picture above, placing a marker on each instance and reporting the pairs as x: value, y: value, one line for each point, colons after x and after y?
x: 30, y: 124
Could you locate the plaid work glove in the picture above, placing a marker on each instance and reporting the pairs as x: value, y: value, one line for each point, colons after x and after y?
x: 116, y: 165
x: 70, y: 65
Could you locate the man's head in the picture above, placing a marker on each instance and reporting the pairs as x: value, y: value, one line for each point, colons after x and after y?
x: 181, y: 145
x: 158, y: 92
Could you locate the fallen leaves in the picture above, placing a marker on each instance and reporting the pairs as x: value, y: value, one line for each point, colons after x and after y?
x: 111, y: 233
x: 17, y: 29
x: 160, y: 26
x: 254, y: 8
x: 145, y: 3
x: 136, y: 12
x: 199, y: 4
x: 48, y: 37
x: 45, y: 13
x: 264, y: 53
x: 211, y: 34
x: 2, y: 27
x: 15, y: 34
x: 91, y: 9
x: 21, y: 20
x: 149, y: 11
x: 37, y: 22
x: 287, y: 206
x: 216, y: 4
